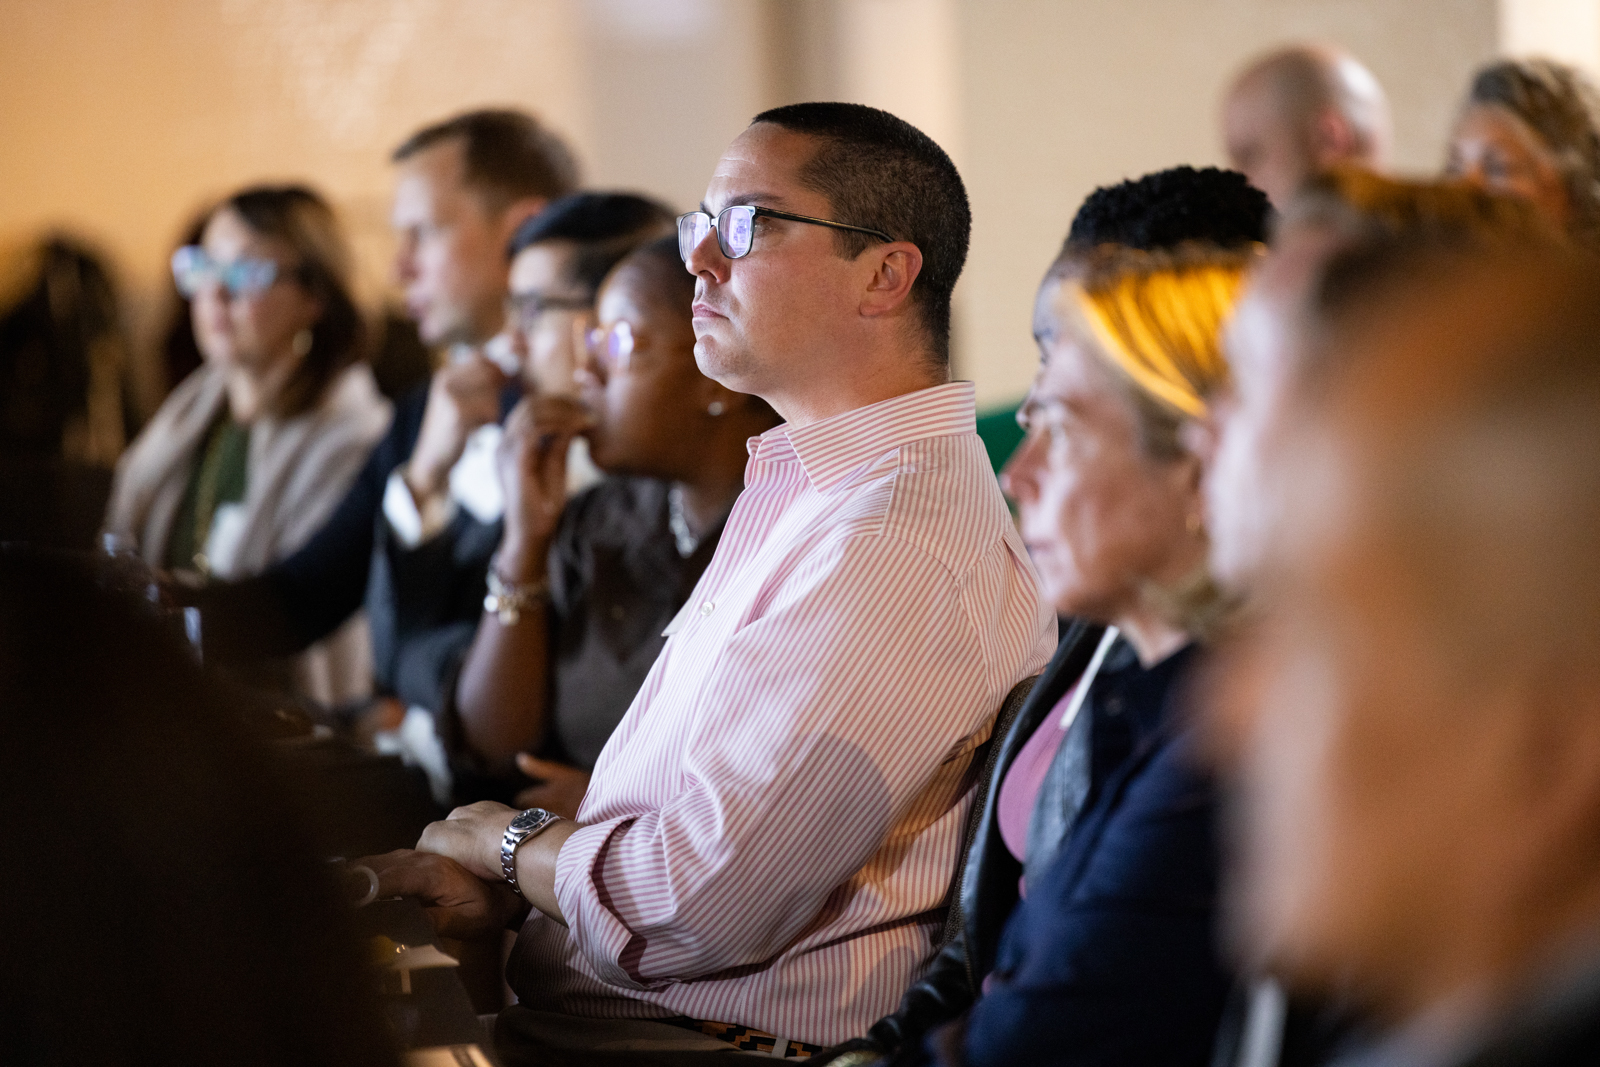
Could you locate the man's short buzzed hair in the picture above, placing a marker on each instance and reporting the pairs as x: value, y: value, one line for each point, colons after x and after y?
x: 879, y: 171
x: 507, y: 155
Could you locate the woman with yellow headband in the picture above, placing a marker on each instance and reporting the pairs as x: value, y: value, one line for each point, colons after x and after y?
x: 1085, y: 912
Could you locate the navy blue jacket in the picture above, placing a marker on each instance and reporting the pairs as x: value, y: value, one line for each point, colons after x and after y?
x: 1112, y: 958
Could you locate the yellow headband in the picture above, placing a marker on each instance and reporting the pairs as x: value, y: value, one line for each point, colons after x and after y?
x: 1163, y: 329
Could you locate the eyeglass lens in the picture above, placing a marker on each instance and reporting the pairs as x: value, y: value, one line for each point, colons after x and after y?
x: 612, y: 347
x: 735, y: 228
x: 692, y: 229
x: 192, y: 268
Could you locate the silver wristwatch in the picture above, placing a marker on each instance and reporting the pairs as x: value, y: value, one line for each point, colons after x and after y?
x: 527, y: 824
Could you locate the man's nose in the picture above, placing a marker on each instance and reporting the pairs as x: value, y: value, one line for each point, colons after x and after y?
x: 706, y: 258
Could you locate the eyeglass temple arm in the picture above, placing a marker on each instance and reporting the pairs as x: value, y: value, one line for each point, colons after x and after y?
x: 821, y: 222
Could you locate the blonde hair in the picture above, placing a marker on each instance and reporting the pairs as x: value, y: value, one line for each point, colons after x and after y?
x: 1156, y: 319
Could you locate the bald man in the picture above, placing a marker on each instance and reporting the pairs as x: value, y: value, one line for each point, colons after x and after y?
x: 1300, y: 110
x: 1421, y: 787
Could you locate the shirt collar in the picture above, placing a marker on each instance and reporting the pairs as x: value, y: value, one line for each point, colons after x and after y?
x: 832, y: 448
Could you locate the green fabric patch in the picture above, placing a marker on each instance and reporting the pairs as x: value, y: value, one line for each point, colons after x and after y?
x: 220, y: 476
x: 1000, y: 434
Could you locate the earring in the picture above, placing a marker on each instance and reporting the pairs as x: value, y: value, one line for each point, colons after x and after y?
x: 302, y: 342
x: 715, y: 408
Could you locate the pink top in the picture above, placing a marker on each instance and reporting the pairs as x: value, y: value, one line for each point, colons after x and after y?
x: 1014, y: 806
x: 771, y: 831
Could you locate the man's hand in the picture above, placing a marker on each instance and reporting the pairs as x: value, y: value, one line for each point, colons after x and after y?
x: 532, y: 465
x: 458, y: 904
x: 471, y: 836
x: 463, y: 396
x: 561, y: 789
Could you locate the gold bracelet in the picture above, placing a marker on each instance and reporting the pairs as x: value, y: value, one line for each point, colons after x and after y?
x: 508, y: 600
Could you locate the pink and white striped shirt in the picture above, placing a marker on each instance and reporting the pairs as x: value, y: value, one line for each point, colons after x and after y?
x: 771, y: 831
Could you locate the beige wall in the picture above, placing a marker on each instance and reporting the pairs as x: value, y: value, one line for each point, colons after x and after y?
x: 1062, y: 97
x: 118, y: 117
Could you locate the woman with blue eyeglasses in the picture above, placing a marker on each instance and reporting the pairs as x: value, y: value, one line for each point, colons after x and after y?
x: 250, y: 453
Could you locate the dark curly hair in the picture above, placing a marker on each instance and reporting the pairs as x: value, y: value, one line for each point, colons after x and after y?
x: 1170, y: 207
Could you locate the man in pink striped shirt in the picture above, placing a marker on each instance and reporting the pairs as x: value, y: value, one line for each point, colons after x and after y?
x: 769, y: 837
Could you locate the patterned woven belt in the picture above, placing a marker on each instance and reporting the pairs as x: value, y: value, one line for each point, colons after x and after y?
x: 747, y: 1038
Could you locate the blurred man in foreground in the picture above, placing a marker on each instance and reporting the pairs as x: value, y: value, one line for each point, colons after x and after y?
x: 1269, y: 335
x: 1272, y: 339
x: 1421, y: 779
x: 1300, y: 110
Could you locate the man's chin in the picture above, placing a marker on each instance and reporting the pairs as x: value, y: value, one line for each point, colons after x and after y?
x: 717, y: 361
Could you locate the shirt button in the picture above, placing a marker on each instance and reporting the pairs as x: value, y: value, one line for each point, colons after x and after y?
x: 617, y: 612
x: 708, y: 607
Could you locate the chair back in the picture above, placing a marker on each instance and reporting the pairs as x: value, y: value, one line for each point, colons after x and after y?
x: 985, y: 758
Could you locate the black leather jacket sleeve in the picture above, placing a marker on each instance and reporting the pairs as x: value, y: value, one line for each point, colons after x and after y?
x: 942, y: 993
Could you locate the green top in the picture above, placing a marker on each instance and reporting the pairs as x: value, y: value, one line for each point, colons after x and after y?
x: 220, y: 475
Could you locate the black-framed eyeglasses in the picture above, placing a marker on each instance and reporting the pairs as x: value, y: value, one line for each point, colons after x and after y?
x: 736, y: 227
x: 524, y: 309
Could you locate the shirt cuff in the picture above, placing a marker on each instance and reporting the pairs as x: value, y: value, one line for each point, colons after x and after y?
x: 412, y: 525
x: 597, y: 932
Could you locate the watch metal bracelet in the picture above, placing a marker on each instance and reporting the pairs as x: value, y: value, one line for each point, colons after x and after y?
x: 527, y: 824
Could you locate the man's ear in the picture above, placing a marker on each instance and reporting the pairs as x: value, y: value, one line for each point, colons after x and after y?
x: 896, y: 267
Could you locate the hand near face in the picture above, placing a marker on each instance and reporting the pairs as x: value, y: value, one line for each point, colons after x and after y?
x: 532, y: 464
x: 463, y: 396
x: 459, y: 904
x: 471, y: 837
x: 560, y: 790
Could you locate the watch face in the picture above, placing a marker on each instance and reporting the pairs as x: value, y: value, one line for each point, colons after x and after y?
x: 529, y: 819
